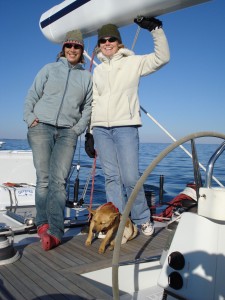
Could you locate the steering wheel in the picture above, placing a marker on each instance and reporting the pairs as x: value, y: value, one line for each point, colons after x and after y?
x: 139, y: 184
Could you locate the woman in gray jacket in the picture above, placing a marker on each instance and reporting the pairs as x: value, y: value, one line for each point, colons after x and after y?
x: 57, y: 110
x: 116, y: 113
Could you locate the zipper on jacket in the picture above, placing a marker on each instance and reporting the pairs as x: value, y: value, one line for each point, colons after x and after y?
x: 60, y: 107
x: 109, y: 93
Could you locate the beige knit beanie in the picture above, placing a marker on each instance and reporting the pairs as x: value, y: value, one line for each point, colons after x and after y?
x: 74, y: 36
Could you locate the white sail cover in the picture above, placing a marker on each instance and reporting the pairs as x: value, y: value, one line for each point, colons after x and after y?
x: 89, y: 15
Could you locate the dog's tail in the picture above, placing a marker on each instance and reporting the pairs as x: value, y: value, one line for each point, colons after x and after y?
x: 135, y: 232
x: 130, y: 231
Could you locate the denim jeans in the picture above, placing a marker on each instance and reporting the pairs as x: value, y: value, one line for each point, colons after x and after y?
x: 53, y: 150
x: 118, y: 151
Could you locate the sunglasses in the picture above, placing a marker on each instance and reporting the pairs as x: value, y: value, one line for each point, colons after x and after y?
x: 75, y: 46
x: 110, y: 39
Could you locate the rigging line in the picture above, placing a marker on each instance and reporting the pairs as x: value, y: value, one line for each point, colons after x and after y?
x: 93, y: 181
x: 91, y: 62
x: 182, y: 147
x: 79, y: 149
x: 89, y: 57
x: 136, y: 37
x: 77, y: 181
x: 87, y: 183
x: 78, y: 161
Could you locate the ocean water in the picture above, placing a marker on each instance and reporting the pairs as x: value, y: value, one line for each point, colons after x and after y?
x: 176, y: 168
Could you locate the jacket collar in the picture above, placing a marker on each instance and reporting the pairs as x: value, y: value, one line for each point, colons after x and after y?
x: 67, y: 64
x: 123, y: 52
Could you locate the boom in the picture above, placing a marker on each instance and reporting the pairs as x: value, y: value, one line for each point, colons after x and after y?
x: 89, y: 15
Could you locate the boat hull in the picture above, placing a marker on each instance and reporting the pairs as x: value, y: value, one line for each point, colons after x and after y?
x: 17, y: 179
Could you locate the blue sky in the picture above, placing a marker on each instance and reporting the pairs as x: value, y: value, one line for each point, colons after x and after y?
x: 187, y: 95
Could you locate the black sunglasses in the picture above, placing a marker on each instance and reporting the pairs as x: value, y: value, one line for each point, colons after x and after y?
x: 75, y: 46
x: 110, y: 39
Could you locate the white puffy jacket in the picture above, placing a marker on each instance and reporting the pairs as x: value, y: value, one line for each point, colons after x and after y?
x: 116, y: 80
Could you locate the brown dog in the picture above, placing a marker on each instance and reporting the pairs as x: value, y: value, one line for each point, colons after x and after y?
x: 106, y: 218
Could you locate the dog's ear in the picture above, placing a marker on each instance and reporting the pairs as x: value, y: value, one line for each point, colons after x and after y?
x: 93, y: 212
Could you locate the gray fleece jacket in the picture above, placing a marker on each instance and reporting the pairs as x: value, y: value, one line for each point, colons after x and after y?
x: 116, y: 80
x: 60, y: 95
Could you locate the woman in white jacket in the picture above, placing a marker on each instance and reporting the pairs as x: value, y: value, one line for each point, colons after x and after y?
x: 116, y: 114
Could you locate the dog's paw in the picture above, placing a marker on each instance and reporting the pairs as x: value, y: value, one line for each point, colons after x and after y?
x: 101, y: 250
x: 112, y: 245
x: 88, y: 243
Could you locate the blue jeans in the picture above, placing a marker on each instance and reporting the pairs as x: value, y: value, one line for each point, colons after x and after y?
x: 118, y: 151
x: 53, y: 150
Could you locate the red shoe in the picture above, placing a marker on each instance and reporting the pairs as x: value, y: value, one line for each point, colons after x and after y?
x: 49, y: 241
x: 42, y: 229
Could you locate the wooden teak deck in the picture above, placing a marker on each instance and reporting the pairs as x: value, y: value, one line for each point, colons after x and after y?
x: 56, y: 274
